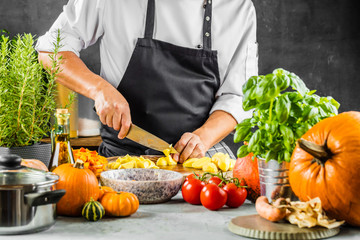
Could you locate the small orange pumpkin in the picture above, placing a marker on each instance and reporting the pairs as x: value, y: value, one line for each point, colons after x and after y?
x: 103, y: 190
x: 120, y: 204
x: 34, y: 163
x: 247, y: 168
x: 80, y: 185
x: 326, y: 164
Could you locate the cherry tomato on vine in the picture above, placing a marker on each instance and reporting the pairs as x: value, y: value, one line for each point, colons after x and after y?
x: 213, y: 197
x: 191, y: 190
x: 190, y: 176
x: 236, y: 196
x: 215, y: 180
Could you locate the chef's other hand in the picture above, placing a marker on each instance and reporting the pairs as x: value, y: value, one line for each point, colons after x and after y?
x: 113, y: 110
x: 189, y: 146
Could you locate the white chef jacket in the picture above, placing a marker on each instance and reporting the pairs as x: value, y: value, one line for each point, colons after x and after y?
x: 118, y: 23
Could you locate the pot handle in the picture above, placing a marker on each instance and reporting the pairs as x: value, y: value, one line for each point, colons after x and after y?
x: 44, y: 198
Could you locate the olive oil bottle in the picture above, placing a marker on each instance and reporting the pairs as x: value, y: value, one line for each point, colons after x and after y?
x: 60, y: 140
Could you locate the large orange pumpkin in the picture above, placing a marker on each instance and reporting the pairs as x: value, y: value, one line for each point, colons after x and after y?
x: 120, y: 204
x: 80, y: 184
x: 34, y: 163
x: 248, y: 169
x: 326, y: 164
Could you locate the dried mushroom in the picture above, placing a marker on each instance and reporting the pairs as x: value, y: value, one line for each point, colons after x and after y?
x: 308, y: 214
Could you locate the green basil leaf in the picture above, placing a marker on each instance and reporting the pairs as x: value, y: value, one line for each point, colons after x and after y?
x: 287, y: 133
x: 296, y: 111
x: 254, y: 139
x: 250, y: 84
x: 301, y: 130
x: 322, y: 113
x: 244, y: 122
x: 276, y: 146
x: 242, y: 151
x: 272, y: 127
x: 267, y: 89
x: 335, y: 103
x: 294, y: 96
x: 313, y: 100
x: 311, y: 92
x: 298, y: 84
x: 280, y: 72
x: 287, y: 156
x: 281, y: 156
x: 271, y: 155
x: 328, y: 107
x: 241, y: 133
x: 311, y: 112
x: 282, y: 79
x: 264, y: 106
x: 249, y: 104
x: 282, y: 108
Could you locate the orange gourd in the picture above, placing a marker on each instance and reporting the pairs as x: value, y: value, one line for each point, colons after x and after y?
x: 103, y: 190
x: 248, y: 169
x: 34, y: 163
x: 80, y: 185
x: 326, y: 164
x: 119, y: 204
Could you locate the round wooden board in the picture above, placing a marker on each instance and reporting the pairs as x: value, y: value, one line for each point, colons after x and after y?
x: 177, y: 168
x: 254, y: 226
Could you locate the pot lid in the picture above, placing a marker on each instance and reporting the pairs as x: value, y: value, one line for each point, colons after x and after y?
x: 13, y: 174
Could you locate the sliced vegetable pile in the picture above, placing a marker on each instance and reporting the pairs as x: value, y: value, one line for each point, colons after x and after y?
x: 219, y: 161
x: 215, y: 192
x: 131, y: 162
x: 141, y: 162
x: 92, y: 160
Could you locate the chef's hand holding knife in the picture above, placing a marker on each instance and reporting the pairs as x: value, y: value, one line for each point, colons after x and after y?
x: 113, y: 109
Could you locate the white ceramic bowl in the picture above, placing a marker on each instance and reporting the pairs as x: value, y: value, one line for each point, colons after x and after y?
x: 149, y: 185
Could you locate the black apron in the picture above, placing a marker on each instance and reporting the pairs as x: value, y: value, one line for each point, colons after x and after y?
x: 170, y: 89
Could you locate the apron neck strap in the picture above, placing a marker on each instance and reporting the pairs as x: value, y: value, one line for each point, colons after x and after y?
x: 207, y: 24
x: 150, y: 19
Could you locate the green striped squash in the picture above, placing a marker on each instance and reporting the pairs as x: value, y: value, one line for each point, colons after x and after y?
x: 93, y: 210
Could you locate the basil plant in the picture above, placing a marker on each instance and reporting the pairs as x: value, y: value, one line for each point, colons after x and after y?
x: 283, y: 110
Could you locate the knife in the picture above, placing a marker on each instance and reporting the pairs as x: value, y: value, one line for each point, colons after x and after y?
x: 147, y: 139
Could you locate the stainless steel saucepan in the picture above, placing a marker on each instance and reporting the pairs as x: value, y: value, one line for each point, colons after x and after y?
x: 27, y: 197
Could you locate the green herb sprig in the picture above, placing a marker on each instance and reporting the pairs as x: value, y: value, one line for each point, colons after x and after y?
x: 280, y: 116
x: 27, y: 92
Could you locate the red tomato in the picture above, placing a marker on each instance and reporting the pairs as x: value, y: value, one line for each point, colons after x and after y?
x: 191, y: 176
x: 235, y: 196
x: 191, y: 190
x: 213, y: 197
x: 214, y: 180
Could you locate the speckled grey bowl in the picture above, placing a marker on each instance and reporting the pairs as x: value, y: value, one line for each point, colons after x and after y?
x: 149, y: 185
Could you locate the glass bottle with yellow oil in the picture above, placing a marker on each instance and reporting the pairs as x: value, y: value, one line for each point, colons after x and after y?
x: 61, y: 148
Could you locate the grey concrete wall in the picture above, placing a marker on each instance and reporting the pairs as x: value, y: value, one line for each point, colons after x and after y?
x: 319, y: 40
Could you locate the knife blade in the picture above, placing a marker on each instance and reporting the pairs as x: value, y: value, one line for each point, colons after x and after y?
x: 147, y: 139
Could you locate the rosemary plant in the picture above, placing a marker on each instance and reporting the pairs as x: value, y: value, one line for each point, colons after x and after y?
x: 27, y: 92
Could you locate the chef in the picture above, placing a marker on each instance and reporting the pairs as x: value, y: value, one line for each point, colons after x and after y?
x: 174, y: 68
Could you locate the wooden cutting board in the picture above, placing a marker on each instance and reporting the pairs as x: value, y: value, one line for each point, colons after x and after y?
x: 254, y: 226
x: 177, y: 168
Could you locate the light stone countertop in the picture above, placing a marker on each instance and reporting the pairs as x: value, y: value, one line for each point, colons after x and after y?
x: 173, y: 220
